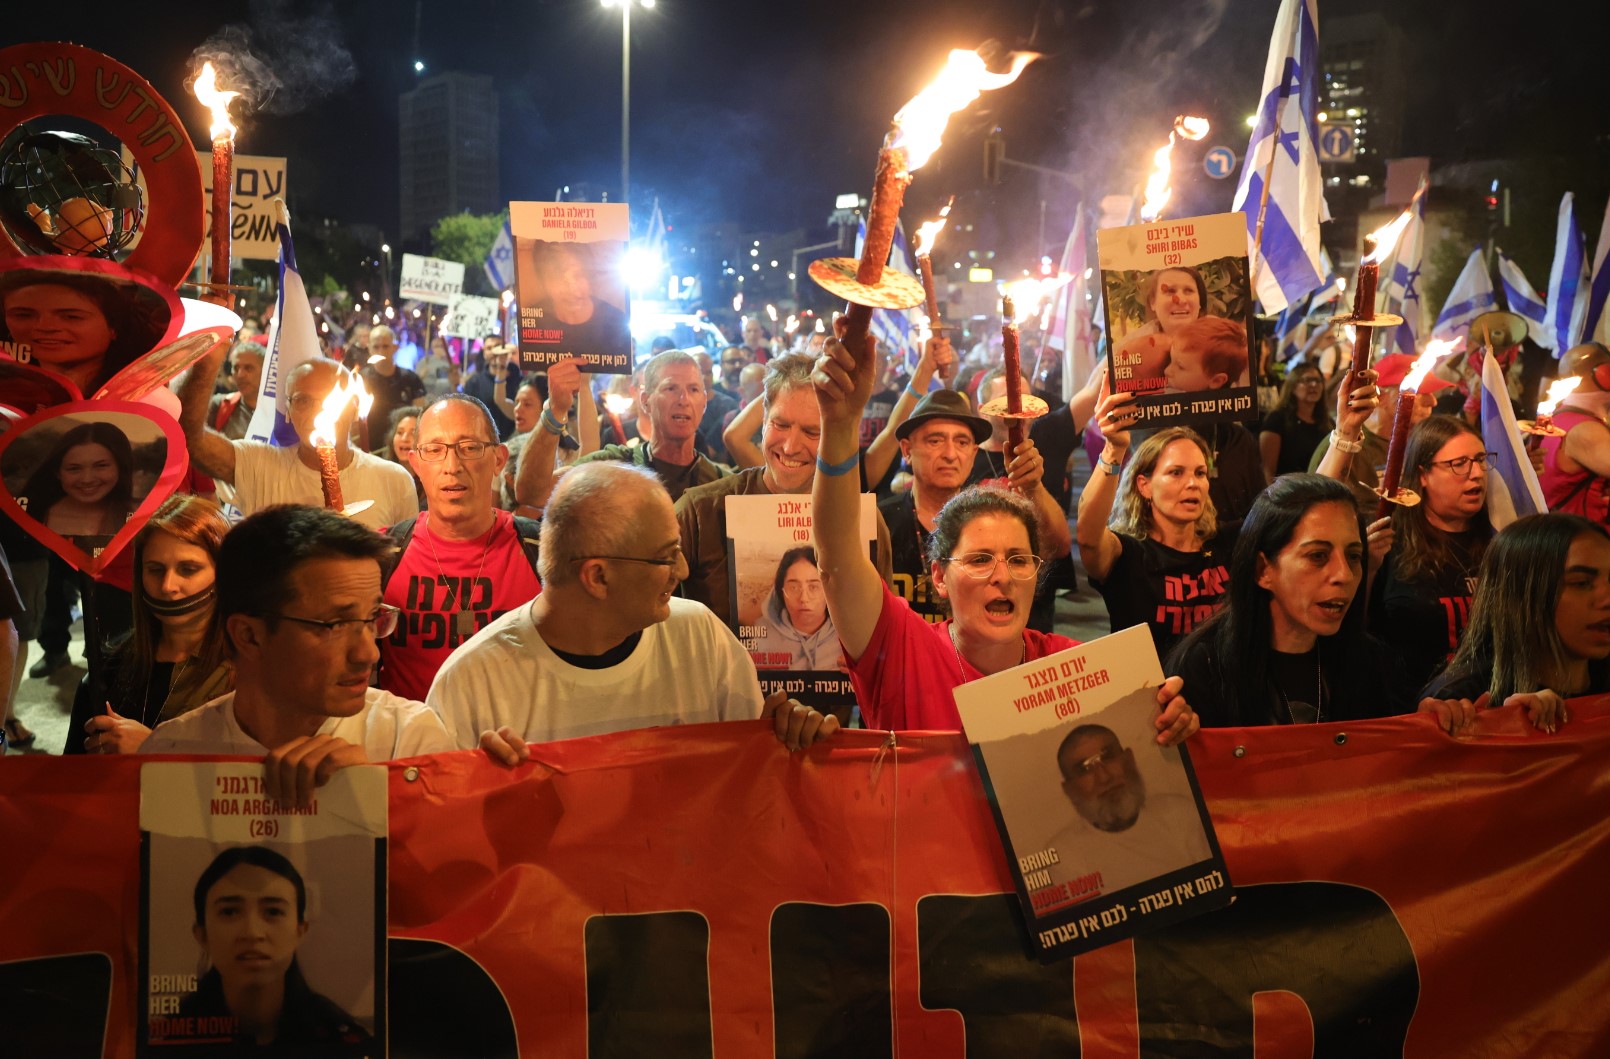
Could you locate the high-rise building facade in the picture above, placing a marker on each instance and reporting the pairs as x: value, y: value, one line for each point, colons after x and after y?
x: 448, y: 160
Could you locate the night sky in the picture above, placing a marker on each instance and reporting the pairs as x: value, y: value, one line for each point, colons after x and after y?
x: 761, y: 112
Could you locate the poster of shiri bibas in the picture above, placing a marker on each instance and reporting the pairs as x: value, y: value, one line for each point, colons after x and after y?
x: 778, y: 605
x: 1178, y: 299
x: 1105, y: 831
x: 569, y: 284
x: 262, y: 925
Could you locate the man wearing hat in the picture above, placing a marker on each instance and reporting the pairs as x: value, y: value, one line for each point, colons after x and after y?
x: 1364, y: 457
x: 1576, y: 467
x: 939, y: 440
x: 1500, y: 333
x: 789, y: 437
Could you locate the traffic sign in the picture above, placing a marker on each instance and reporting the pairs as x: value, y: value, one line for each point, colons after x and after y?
x: 1219, y: 162
x: 1336, y: 142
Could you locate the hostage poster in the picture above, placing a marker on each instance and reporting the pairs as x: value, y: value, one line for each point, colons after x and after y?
x: 1179, y: 317
x: 778, y: 606
x: 569, y: 285
x: 1106, y: 833
x: 260, y: 923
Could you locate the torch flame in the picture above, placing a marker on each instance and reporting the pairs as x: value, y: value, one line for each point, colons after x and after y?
x: 1559, y: 389
x: 1028, y: 295
x: 1385, y: 237
x: 928, y: 231
x: 348, y: 388
x: 217, y: 100
x: 1436, y: 349
x: 619, y: 403
x: 1157, y: 187
x: 920, y: 123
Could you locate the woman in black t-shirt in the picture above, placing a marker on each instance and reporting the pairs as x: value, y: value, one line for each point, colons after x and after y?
x: 1294, y: 429
x: 1540, y: 625
x: 1420, y: 600
x: 1288, y: 646
x: 1163, y: 559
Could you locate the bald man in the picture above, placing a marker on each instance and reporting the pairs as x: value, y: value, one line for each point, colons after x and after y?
x: 392, y: 387
x: 264, y: 475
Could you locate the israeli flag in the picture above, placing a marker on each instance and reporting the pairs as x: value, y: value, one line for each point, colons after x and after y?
x: 500, y: 261
x: 892, y: 327
x: 293, y: 339
x: 1569, y: 285
x: 1471, y: 296
x: 1594, y: 326
x: 1401, y: 288
x: 1070, y: 331
x: 1524, y: 301
x: 1512, y: 486
x: 1283, y: 150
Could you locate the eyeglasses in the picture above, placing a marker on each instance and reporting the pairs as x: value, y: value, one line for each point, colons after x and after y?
x: 1094, y: 761
x: 801, y: 590
x: 667, y: 563
x: 1461, y: 465
x: 381, y: 624
x: 436, y: 451
x: 980, y: 565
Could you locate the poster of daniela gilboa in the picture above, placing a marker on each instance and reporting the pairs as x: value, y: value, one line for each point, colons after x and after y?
x: 1179, y: 318
x: 569, y: 284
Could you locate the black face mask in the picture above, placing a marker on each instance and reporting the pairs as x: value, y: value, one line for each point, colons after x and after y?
x: 173, y: 608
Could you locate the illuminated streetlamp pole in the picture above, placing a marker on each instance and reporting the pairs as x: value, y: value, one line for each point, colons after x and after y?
x: 626, y: 90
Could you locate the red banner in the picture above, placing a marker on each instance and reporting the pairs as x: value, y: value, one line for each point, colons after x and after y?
x: 701, y: 891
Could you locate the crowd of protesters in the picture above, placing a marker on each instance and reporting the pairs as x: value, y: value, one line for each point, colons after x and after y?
x: 539, y: 557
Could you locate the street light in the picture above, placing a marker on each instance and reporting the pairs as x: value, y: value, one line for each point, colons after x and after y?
x: 626, y: 89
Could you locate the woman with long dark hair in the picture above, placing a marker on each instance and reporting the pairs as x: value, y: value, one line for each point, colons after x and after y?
x: 173, y: 659
x: 1539, y: 627
x: 84, y: 488
x: 1288, y: 645
x: 79, y: 325
x: 1298, y: 423
x: 796, y: 618
x: 251, y: 917
x: 1420, y: 599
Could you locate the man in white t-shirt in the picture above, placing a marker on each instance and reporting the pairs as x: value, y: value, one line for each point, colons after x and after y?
x: 263, y: 475
x: 1125, y: 834
x: 299, y: 596
x: 607, y: 646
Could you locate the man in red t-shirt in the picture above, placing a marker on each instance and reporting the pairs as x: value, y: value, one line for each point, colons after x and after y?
x: 463, y: 561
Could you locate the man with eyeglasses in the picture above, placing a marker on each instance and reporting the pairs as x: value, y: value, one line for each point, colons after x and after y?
x: 1124, y: 833
x: 264, y: 475
x: 939, y: 440
x: 462, y: 562
x: 608, y: 646
x: 299, y: 599
x: 392, y: 387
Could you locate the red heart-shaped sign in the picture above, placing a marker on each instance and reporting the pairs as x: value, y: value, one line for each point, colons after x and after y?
x: 82, y: 478
x: 28, y: 387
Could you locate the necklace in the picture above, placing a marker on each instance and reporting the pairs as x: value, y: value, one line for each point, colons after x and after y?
x: 463, y: 620
x: 961, y: 665
x: 1294, y: 708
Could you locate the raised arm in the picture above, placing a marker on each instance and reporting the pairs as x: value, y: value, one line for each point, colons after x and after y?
x: 587, y: 415
x: 1352, y: 411
x: 533, y: 481
x: 854, y: 592
x: 210, y: 452
x: 936, y: 354
x: 739, y: 437
x: 1099, y: 546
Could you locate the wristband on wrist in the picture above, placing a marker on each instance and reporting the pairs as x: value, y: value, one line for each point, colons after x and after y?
x: 1346, y: 445
x: 1112, y: 468
x: 551, y: 424
x: 834, y: 470
x: 918, y: 394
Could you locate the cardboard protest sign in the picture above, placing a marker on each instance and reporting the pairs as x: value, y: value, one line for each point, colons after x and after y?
x: 259, y: 179
x: 83, y: 319
x: 1105, y: 831
x: 569, y: 286
x: 261, y: 895
x: 778, y: 606
x: 471, y: 316
x: 1179, y: 318
x: 82, y: 478
x: 430, y: 279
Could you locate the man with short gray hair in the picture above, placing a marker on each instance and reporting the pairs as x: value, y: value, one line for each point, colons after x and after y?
x: 608, y: 646
x: 391, y: 387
